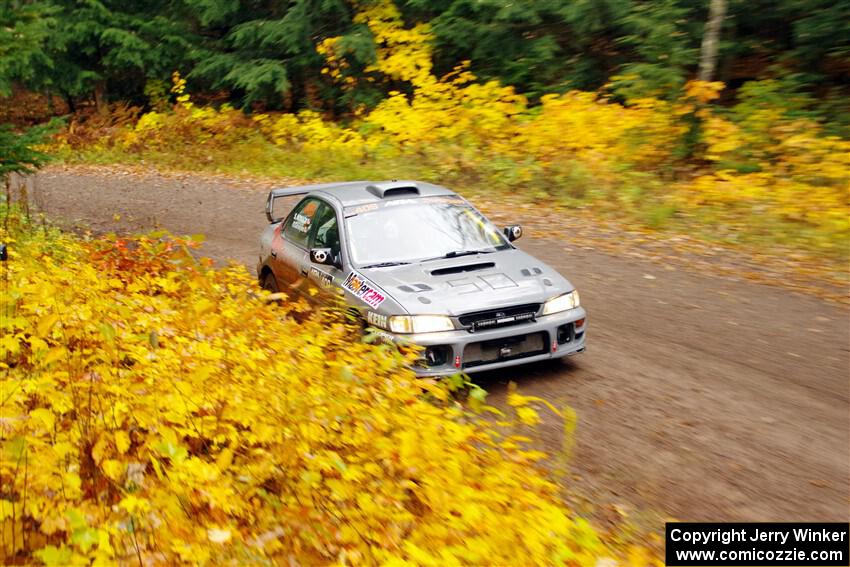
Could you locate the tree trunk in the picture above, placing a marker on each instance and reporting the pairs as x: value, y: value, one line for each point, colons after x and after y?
x: 710, y: 39
x: 8, y: 184
x: 69, y: 100
x: 100, y: 97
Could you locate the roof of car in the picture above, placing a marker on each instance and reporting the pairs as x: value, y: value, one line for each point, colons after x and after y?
x: 363, y: 192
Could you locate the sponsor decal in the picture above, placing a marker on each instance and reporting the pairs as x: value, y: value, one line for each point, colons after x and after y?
x: 369, y: 207
x: 361, y: 209
x: 437, y: 199
x: 301, y: 223
x: 385, y: 338
x: 402, y: 202
x: 381, y: 338
x: 325, y: 280
x: 363, y: 290
x: 501, y: 319
x: 376, y: 319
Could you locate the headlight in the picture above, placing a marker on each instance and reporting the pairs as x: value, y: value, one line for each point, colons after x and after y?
x: 561, y: 303
x: 420, y: 323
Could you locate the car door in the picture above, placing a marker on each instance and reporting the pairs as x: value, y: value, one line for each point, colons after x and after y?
x: 290, y: 252
x: 325, y: 234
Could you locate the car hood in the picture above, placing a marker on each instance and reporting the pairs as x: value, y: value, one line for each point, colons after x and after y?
x: 455, y: 286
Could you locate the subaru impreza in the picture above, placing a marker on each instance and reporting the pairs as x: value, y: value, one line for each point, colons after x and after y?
x: 419, y: 264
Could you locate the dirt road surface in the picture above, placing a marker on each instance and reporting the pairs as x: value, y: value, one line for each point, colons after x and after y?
x: 700, y: 397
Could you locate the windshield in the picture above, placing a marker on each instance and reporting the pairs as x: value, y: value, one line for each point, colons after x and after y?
x: 420, y: 229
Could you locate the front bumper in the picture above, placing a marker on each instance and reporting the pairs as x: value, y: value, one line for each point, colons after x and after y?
x: 549, y: 336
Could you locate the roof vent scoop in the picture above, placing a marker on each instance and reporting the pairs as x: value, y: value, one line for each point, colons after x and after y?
x: 393, y: 189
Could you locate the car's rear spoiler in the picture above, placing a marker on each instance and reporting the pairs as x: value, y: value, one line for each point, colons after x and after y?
x: 302, y: 190
x: 283, y: 192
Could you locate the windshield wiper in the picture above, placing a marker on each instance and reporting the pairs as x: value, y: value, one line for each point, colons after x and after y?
x: 383, y: 265
x: 457, y: 253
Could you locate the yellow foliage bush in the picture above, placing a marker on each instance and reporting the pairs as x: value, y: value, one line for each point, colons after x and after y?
x: 601, y: 134
x: 757, y: 164
x: 775, y: 166
x: 307, y: 131
x: 404, y: 54
x: 156, y: 410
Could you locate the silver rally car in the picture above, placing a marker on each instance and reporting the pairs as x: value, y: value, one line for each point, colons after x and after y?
x: 422, y: 265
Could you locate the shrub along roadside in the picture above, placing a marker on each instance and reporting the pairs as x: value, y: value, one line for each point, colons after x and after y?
x: 762, y: 170
x: 764, y: 179
x: 157, y: 410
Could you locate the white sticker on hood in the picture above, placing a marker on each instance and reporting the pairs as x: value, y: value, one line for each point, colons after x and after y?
x: 363, y: 290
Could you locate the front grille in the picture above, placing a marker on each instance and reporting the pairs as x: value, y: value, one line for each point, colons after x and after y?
x: 493, y: 318
x: 508, y: 348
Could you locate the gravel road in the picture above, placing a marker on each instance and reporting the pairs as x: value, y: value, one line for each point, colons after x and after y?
x: 700, y: 397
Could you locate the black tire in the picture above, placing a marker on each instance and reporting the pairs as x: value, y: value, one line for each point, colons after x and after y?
x: 270, y: 283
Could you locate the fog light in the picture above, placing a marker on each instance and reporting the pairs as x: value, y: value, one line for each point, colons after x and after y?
x: 436, y: 356
x: 565, y: 334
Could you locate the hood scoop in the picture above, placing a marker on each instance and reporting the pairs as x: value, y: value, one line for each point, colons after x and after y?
x: 463, y: 268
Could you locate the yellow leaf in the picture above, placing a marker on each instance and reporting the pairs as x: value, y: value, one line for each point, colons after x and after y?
x: 203, y: 305
x: 434, y: 388
x: 6, y: 510
x: 528, y: 416
x: 62, y: 449
x: 133, y: 504
x: 99, y: 450
x: 122, y: 441
x: 157, y: 467
x: 225, y: 459
x: 45, y: 416
x: 46, y: 323
x: 53, y: 355
x: 113, y: 469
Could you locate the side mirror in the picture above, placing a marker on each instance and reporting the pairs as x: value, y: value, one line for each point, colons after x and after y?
x: 322, y: 256
x: 513, y: 232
